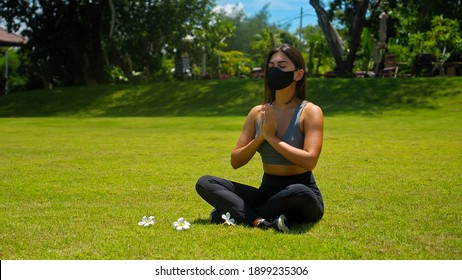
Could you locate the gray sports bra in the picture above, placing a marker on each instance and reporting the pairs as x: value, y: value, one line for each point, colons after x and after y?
x: 292, y: 136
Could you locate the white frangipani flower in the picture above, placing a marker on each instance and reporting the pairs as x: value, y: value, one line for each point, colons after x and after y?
x: 181, y: 224
x: 147, y: 221
x: 228, y: 220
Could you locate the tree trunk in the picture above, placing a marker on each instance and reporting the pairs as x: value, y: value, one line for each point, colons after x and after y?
x: 80, y: 43
x: 113, y: 52
x: 331, y: 36
x: 98, y: 62
x: 358, y: 26
x: 318, y: 65
x: 310, y: 65
x: 344, y: 67
x: 44, y: 75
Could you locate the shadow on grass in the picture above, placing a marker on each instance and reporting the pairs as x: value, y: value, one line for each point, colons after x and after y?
x: 301, y: 228
x: 373, y: 96
x: 296, y: 229
x: 225, y: 98
x: 202, y: 222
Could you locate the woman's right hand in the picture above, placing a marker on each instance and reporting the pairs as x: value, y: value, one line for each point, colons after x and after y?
x: 248, y: 143
x: 268, y: 124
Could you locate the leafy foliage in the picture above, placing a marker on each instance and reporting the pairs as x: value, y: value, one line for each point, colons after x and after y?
x: 104, y: 41
x: 235, y: 64
x: 75, y: 42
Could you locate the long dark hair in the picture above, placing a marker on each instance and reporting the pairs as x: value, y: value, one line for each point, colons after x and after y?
x: 297, y: 59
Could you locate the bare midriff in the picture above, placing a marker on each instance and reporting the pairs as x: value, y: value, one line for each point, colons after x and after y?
x: 283, y: 170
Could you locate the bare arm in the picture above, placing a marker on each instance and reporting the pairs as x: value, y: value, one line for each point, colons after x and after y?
x: 247, y: 145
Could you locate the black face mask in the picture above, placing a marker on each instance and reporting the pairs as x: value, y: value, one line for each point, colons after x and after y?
x: 278, y: 79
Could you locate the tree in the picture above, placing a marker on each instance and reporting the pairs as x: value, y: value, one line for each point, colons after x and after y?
x: 261, y: 43
x: 418, y: 13
x: 354, y: 20
x: 156, y: 27
x: 76, y: 42
x: 441, y: 41
x: 247, y: 28
x: 235, y: 64
x: 85, y: 21
x: 318, y: 51
x: 16, y: 81
x: 210, y: 39
x: 64, y: 45
x: 416, y: 17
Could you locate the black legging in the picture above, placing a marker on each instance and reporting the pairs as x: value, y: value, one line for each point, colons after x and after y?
x: 297, y: 197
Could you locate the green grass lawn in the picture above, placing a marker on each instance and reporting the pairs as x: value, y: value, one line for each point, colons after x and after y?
x: 80, y: 167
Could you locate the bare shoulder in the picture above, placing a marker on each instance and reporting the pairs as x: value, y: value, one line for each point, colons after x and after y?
x: 312, y: 110
x: 255, y: 112
x: 256, y: 108
x: 252, y: 117
x: 312, y: 116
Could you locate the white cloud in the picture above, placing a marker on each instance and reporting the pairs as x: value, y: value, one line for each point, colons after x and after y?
x: 230, y: 9
x: 278, y: 4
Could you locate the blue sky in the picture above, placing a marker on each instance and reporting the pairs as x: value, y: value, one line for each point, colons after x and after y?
x: 281, y: 11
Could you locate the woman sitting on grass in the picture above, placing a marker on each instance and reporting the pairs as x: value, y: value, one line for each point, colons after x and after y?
x: 287, y: 131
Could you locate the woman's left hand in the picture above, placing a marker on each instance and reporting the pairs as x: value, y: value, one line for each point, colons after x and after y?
x: 269, y: 125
